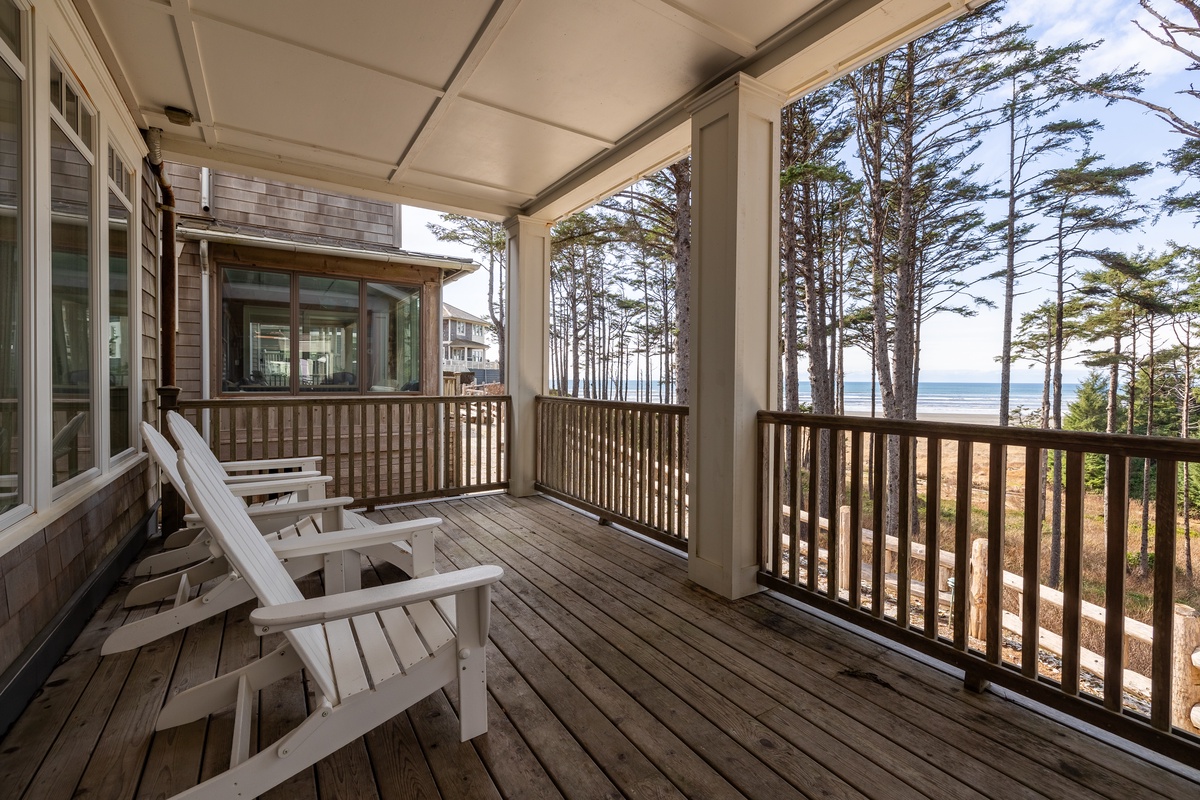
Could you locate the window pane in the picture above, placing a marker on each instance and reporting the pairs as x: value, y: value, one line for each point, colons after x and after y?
x: 56, y: 86
x: 119, y: 341
x: 256, y: 331
x: 328, y: 334
x: 70, y: 305
x: 10, y: 26
x: 10, y: 290
x: 394, y: 338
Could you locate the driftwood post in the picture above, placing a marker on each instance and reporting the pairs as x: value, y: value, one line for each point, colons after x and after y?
x: 1185, y: 678
x: 843, y: 548
x: 977, y: 590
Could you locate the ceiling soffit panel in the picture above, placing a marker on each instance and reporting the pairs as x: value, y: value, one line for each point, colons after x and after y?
x: 599, y: 68
x: 274, y: 89
x: 484, y: 106
x: 476, y: 143
x: 144, y: 42
x: 755, y: 21
x: 397, y: 37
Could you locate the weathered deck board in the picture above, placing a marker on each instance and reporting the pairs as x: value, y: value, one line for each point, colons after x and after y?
x: 609, y: 676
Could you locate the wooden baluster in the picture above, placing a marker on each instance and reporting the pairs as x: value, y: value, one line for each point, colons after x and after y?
x: 1162, y: 650
x: 794, y: 495
x: 776, y: 497
x: 933, y: 531
x: 1031, y: 563
x: 904, y: 536
x: 878, y: 541
x: 1114, y: 583
x: 962, y: 539
x: 815, y: 471
x: 833, y: 543
x: 853, y: 531
x: 997, y: 473
x: 1072, y: 566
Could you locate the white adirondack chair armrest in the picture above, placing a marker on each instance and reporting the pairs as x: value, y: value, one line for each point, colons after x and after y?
x: 295, y: 462
x: 284, y: 513
x: 234, y: 480
x: 275, y: 487
x: 337, y: 541
x: 271, y: 619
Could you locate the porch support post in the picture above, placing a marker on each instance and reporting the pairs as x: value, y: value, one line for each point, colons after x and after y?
x: 527, y: 346
x: 735, y: 324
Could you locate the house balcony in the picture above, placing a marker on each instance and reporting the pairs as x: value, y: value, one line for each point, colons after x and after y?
x: 610, y: 675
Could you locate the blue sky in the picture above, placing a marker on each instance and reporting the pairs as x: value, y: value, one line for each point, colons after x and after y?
x: 956, y: 349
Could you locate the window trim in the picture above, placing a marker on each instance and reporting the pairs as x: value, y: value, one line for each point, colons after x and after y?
x: 133, y: 289
x: 26, y: 499
x: 217, y: 362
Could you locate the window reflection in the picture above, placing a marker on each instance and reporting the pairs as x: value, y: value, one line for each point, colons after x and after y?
x: 256, y: 331
x: 328, y: 334
x: 119, y: 339
x: 10, y: 289
x: 71, y: 319
x: 394, y: 342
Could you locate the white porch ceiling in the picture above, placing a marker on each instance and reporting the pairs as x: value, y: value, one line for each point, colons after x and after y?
x: 486, y: 107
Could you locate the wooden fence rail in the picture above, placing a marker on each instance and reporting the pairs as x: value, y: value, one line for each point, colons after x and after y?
x: 994, y: 616
x: 378, y: 450
x: 624, y: 462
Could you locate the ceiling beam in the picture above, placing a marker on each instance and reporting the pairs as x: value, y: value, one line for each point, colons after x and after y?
x: 185, y: 29
x: 293, y: 170
x: 498, y: 17
x: 701, y: 26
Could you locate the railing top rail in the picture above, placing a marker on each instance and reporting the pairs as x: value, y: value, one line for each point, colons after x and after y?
x: 349, y: 400
x: 1118, y: 444
x: 671, y: 408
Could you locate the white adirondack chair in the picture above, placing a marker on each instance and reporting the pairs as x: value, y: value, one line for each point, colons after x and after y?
x: 191, y: 544
x: 414, y: 638
x: 408, y: 545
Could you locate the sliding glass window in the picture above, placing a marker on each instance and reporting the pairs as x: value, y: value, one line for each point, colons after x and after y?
x: 296, y: 333
x: 120, y: 341
x: 12, y: 286
x: 71, y: 315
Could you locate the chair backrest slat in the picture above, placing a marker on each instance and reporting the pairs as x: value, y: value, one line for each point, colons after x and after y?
x: 166, y: 457
x: 190, y: 439
x: 254, y: 560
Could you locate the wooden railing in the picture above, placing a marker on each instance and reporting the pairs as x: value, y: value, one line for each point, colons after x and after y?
x: 621, y: 461
x: 378, y: 450
x: 966, y: 523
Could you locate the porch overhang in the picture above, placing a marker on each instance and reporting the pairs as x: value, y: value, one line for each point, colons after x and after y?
x: 487, y: 108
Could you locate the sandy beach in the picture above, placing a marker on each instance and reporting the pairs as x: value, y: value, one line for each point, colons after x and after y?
x: 968, y: 419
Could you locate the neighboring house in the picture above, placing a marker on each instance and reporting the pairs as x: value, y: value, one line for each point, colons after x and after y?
x: 464, y: 345
x: 286, y: 289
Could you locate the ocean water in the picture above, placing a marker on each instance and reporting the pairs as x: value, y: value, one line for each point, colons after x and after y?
x: 934, y: 397
x: 952, y: 398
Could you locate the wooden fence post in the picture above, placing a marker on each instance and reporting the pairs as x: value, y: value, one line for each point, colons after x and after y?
x: 977, y: 569
x: 843, y: 549
x: 1185, y: 662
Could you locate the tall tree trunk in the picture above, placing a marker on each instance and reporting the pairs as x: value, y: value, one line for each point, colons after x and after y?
x: 1057, y: 481
x: 1144, y: 553
x: 681, y: 172
x: 1010, y: 262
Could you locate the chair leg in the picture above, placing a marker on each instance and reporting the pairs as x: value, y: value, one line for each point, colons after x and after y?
x: 202, y: 700
x: 171, y: 560
x: 156, y: 589
x: 222, y: 597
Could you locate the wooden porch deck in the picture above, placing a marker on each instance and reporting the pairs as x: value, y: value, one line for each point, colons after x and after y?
x: 609, y: 676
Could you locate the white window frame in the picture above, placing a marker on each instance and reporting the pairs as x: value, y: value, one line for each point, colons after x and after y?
x: 26, y: 502
x: 133, y: 285
x: 97, y: 275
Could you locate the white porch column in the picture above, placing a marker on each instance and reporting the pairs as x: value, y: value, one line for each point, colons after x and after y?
x: 735, y: 323
x: 527, y: 323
